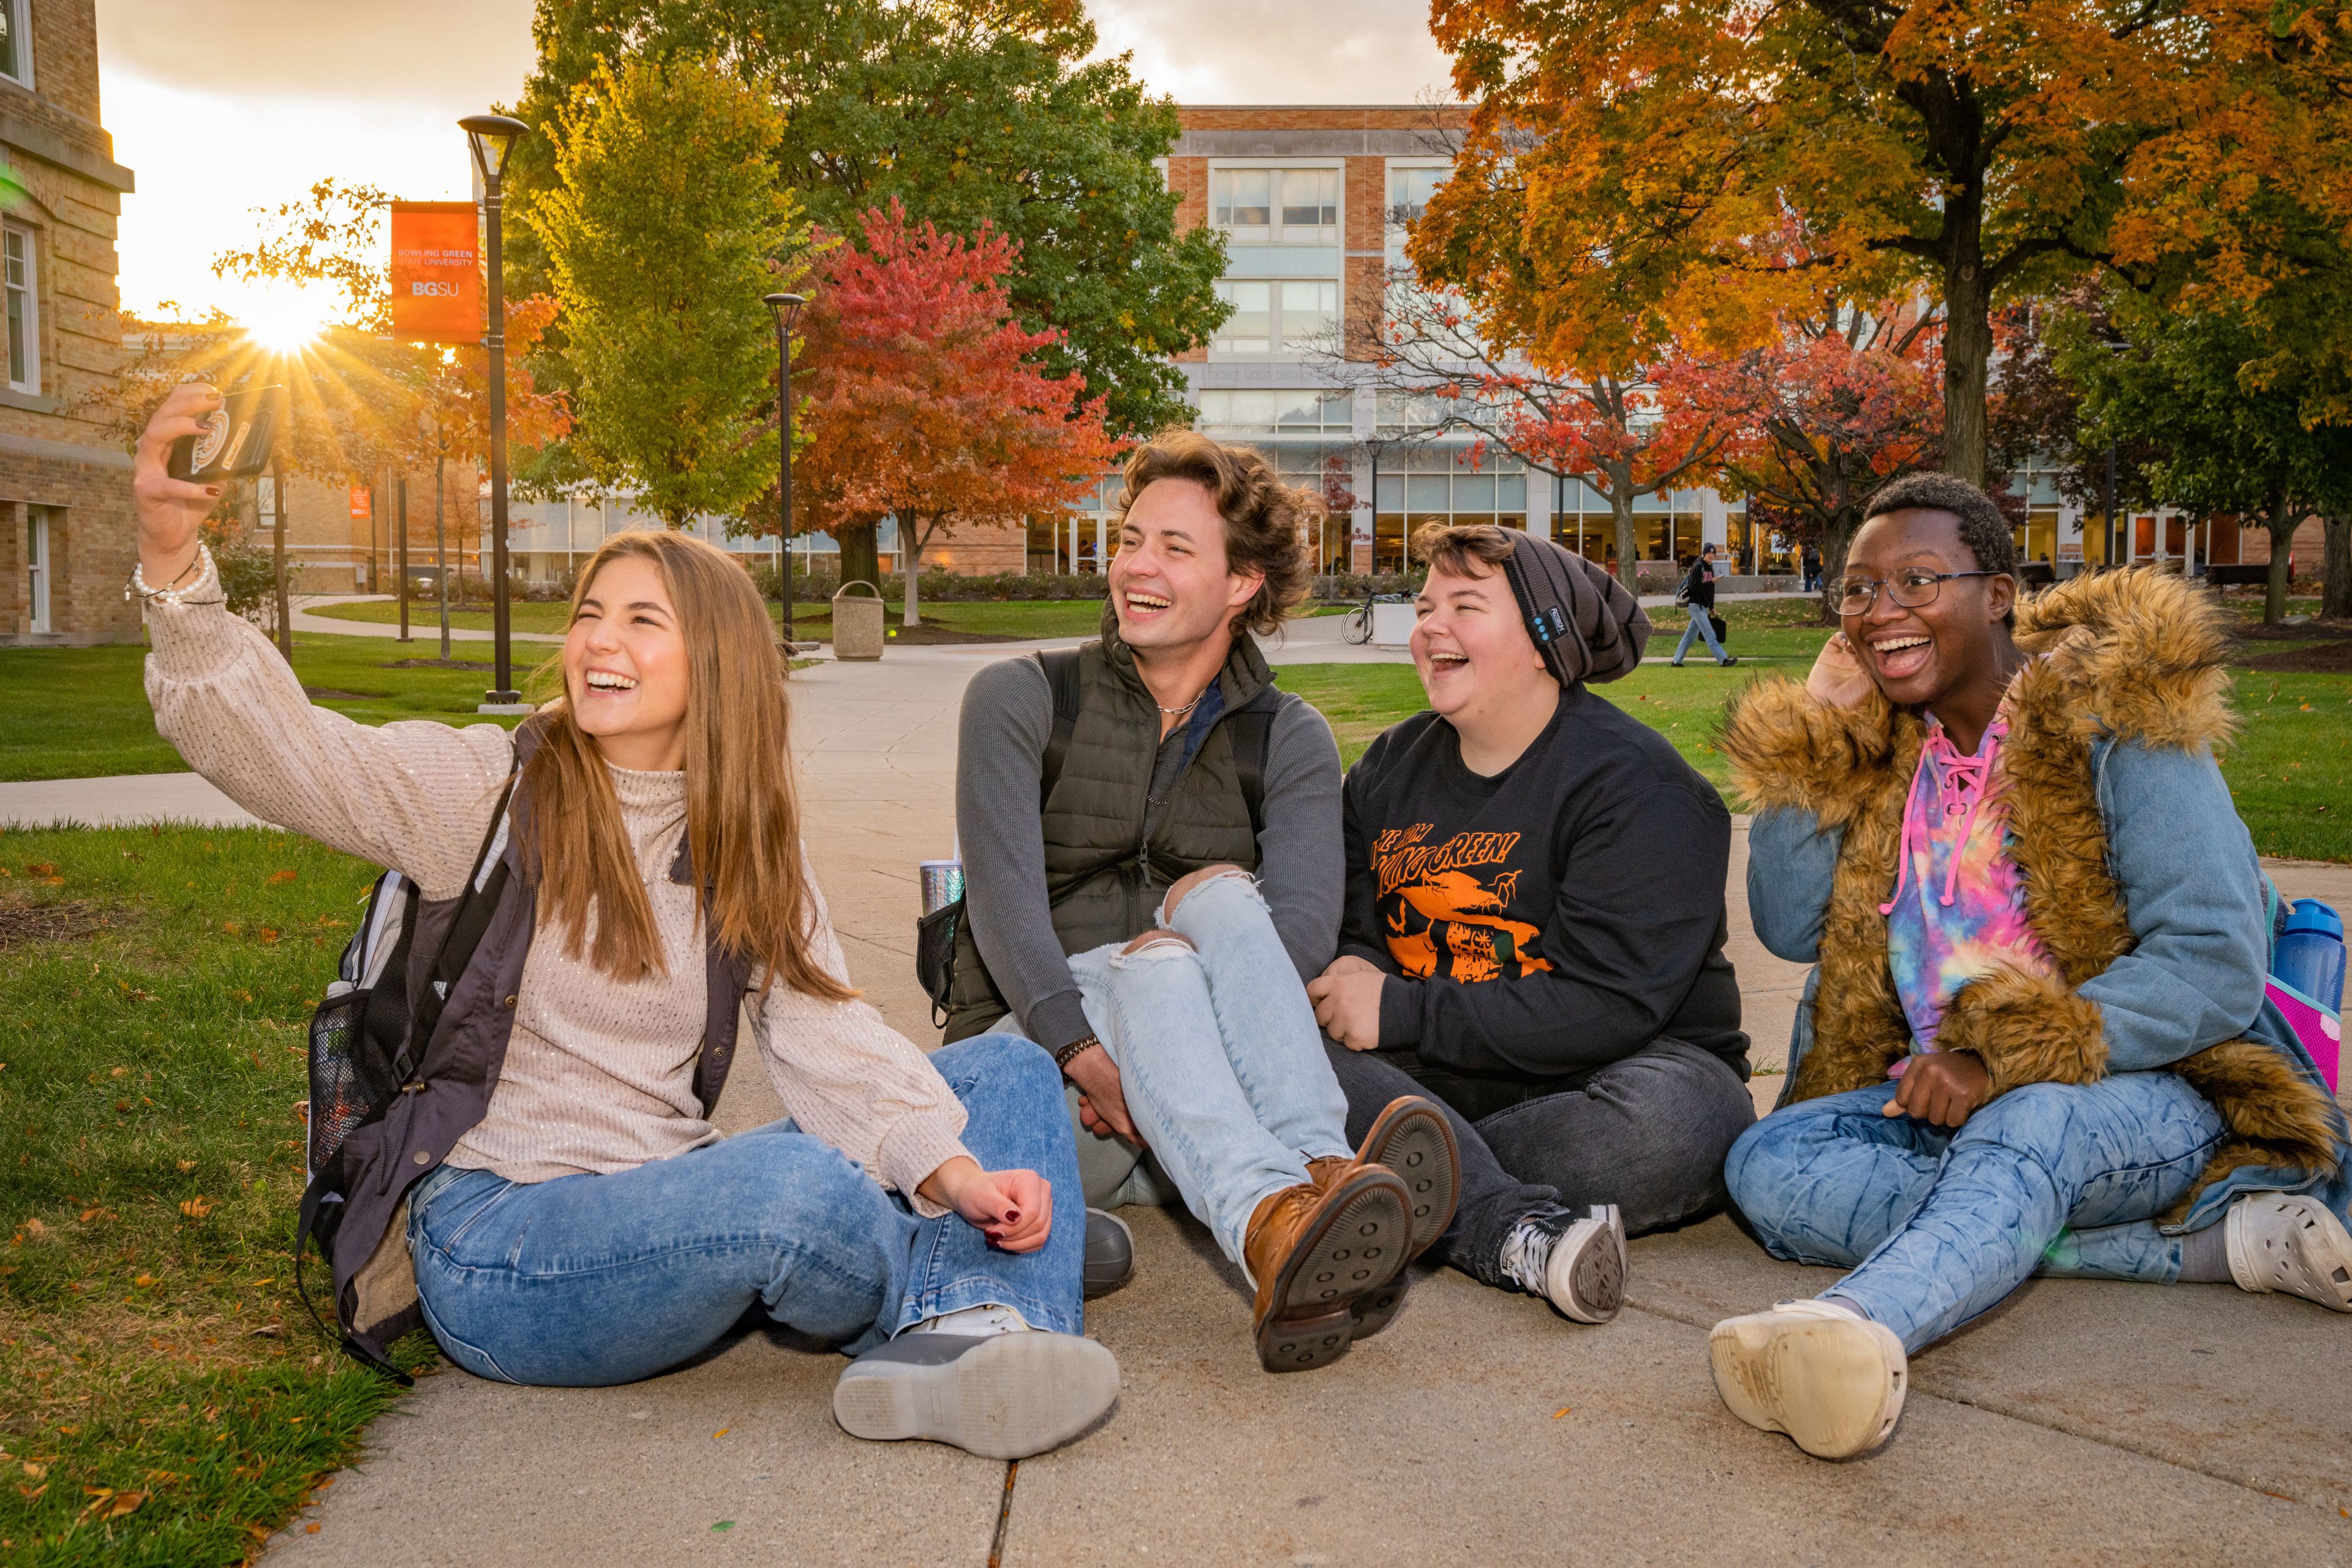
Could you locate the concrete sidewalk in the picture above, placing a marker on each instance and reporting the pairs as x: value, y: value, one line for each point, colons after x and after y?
x: 2080, y: 1422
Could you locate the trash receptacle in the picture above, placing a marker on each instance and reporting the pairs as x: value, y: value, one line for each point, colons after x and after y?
x: 857, y: 623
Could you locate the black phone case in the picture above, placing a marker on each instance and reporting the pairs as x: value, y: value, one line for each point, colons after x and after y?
x: 237, y: 442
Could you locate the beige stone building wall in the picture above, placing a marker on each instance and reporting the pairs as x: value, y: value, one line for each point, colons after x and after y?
x: 329, y: 550
x: 62, y: 190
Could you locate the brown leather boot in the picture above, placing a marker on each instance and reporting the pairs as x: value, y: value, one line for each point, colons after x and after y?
x: 1412, y: 1138
x: 1314, y: 1250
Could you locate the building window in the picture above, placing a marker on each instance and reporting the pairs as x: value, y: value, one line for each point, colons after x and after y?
x: 1409, y: 192
x: 1443, y: 484
x: 1287, y: 316
x: 16, y: 41
x: 23, y: 306
x: 1307, y: 412
x: 1283, y: 206
x: 38, y: 568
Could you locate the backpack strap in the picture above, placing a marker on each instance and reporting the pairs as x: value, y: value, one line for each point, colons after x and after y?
x: 476, y: 905
x: 1061, y: 668
x: 1253, y: 729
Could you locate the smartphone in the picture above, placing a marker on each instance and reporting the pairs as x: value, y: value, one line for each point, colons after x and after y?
x: 236, y: 440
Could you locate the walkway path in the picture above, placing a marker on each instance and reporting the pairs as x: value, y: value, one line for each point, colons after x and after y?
x: 2080, y: 1422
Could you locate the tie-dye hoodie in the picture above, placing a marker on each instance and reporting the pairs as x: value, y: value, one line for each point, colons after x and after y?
x: 1959, y: 909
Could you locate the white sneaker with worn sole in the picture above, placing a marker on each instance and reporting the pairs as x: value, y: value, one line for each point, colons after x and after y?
x: 1575, y: 1262
x: 2293, y: 1244
x: 1005, y: 1392
x: 1826, y: 1375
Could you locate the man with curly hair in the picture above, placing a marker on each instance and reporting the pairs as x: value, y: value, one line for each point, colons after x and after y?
x: 1151, y: 838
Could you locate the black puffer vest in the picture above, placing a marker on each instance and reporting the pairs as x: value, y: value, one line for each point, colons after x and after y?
x: 375, y: 1285
x: 1104, y: 875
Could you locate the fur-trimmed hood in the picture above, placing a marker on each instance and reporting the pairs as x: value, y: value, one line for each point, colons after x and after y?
x: 2122, y: 658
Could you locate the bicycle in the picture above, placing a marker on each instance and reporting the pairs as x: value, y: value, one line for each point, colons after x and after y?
x: 1357, y: 627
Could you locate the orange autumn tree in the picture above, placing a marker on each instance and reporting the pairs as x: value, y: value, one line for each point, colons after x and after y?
x: 1639, y: 177
x: 925, y: 398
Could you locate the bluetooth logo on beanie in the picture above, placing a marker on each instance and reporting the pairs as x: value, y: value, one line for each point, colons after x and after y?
x: 1584, y: 623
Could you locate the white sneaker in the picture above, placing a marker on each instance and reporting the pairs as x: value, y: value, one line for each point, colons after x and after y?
x: 981, y: 1379
x: 2290, y: 1243
x: 1826, y: 1375
x: 1576, y: 1262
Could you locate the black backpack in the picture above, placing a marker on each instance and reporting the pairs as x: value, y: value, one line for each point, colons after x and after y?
x: 935, y: 933
x: 365, y: 1041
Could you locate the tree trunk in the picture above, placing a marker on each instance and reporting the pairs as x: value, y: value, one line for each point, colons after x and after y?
x: 1620, y: 512
x: 861, y: 554
x: 2335, y: 594
x: 1837, y: 537
x: 910, y: 567
x: 1967, y: 346
x: 2281, y: 526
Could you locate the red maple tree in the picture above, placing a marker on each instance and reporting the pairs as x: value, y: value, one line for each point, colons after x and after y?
x: 926, y: 399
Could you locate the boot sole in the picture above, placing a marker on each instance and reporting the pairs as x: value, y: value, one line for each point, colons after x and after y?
x: 1412, y: 1139
x: 1835, y: 1388
x: 1017, y: 1394
x: 1356, y: 1247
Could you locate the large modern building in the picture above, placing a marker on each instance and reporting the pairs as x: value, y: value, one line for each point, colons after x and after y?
x: 66, y: 542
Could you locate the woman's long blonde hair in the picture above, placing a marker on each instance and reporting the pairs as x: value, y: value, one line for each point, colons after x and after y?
x: 742, y: 813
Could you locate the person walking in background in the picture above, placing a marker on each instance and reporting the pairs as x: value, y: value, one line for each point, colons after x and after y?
x: 547, y: 1194
x: 1152, y: 863
x: 2048, y: 1049
x: 1811, y: 561
x: 1696, y: 595
x: 1535, y: 928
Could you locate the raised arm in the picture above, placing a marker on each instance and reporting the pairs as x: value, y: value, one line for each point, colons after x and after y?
x: 414, y: 796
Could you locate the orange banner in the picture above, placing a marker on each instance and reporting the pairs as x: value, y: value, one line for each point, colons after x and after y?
x: 437, y: 272
x: 360, y: 502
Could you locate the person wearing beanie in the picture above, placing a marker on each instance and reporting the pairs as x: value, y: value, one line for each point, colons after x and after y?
x: 1534, y: 929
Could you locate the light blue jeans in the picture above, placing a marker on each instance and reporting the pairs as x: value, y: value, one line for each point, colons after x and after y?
x: 589, y: 1281
x: 1940, y: 1225
x: 1219, y: 1056
x: 1701, y: 625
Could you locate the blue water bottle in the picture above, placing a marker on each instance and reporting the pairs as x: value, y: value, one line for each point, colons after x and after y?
x: 2310, y: 954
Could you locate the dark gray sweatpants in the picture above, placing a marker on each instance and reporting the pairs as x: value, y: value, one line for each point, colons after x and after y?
x: 1648, y: 1133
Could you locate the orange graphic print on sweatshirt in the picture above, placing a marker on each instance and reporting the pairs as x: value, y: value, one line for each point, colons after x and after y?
x: 1440, y: 917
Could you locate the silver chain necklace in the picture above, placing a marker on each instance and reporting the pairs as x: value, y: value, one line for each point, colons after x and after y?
x: 1180, y: 712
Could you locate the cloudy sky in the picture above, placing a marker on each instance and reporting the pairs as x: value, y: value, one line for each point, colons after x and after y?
x: 233, y: 104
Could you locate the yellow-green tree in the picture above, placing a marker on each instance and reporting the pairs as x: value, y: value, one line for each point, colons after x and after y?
x: 664, y: 227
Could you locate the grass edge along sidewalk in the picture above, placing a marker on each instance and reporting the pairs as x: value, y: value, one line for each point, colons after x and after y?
x: 164, y: 1398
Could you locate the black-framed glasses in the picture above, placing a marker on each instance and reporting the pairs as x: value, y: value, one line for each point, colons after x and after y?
x: 1912, y: 589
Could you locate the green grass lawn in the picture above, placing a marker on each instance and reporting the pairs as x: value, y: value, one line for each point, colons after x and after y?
x: 69, y: 713
x: 2289, y: 770
x: 164, y: 1398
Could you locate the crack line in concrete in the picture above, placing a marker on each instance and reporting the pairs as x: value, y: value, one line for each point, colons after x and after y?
x: 1004, y: 1516
x: 2105, y: 1441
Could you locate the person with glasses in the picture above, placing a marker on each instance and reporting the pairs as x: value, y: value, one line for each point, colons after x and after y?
x: 2035, y: 1037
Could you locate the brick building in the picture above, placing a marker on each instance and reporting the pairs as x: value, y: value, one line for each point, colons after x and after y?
x: 65, y: 540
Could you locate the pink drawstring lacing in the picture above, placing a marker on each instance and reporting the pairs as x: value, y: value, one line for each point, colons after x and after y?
x: 1961, y: 783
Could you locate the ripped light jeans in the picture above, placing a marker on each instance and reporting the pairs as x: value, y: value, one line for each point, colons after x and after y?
x: 1940, y: 1224
x: 1220, y: 1060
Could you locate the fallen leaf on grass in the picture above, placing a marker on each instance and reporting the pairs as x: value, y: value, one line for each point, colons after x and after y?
x: 34, y: 1471
x: 32, y: 1492
x: 267, y: 935
x: 186, y: 1165
x: 232, y: 928
x: 44, y: 868
x: 198, y: 1206
x: 144, y: 1280
x: 105, y: 1504
x: 274, y: 878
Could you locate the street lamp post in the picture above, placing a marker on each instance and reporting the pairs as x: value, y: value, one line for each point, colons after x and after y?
x: 492, y: 138
x: 787, y: 309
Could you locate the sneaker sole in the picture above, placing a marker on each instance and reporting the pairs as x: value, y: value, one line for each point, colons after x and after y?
x: 1358, y: 1249
x: 1596, y: 1277
x: 1834, y: 1386
x: 1414, y: 1140
x: 1018, y: 1394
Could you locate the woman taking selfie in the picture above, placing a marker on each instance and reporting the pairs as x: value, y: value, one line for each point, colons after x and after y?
x: 548, y: 1191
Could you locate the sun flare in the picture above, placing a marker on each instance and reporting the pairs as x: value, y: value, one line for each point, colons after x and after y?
x: 282, y: 316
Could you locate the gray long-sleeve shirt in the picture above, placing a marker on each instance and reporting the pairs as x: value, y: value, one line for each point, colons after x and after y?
x: 1008, y: 717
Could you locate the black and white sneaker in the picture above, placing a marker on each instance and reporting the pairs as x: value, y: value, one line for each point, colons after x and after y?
x: 1576, y: 1262
x: 980, y: 1380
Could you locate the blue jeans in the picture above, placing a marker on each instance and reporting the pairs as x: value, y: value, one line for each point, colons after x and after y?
x: 589, y: 1281
x: 1219, y: 1056
x: 1702, y: 625
x: 1940, y: 1225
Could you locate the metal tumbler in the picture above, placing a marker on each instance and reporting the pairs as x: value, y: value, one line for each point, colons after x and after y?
x: 942, y: 883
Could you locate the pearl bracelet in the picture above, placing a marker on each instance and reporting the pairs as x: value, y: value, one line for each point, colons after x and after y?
x: 174, y: 593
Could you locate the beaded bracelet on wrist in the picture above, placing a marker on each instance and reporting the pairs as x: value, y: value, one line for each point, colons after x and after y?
x: 173, y: 592
x: 1074, y: 1050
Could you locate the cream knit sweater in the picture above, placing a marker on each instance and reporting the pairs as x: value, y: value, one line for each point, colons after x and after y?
x: 599, y: 1076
